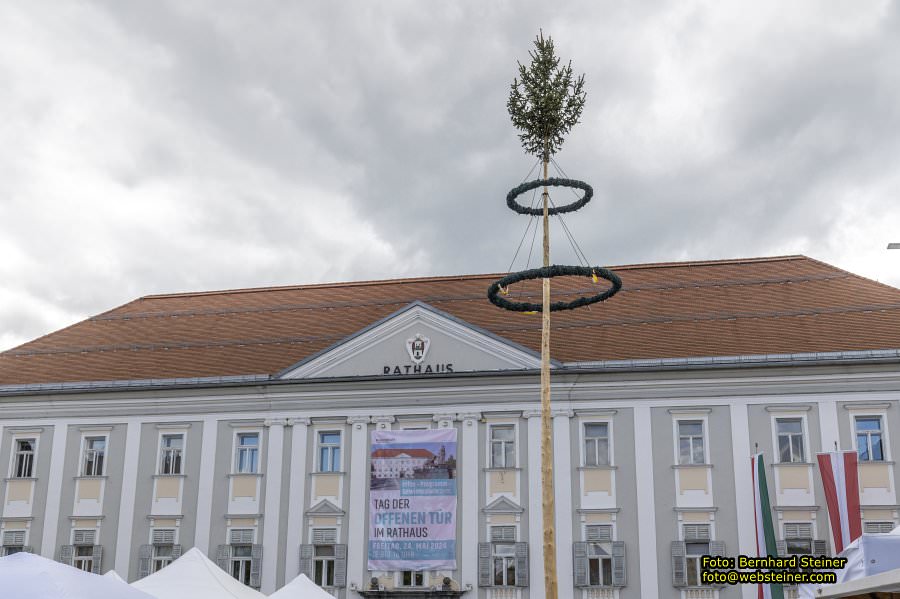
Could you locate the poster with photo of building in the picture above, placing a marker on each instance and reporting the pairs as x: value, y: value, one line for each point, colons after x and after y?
x: 412, y: 494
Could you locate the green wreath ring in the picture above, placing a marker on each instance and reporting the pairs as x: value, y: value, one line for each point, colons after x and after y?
x: 551, y: 182
x: 498, y: 288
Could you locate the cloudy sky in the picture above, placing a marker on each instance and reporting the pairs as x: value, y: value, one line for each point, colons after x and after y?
x: 161, y: 146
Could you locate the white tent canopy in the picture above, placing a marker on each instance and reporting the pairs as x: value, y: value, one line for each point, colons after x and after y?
x: 114, y: 575
x: 194, y: 576
x: 301, y: 588
x: 873, y: 563
x: 34, y: 577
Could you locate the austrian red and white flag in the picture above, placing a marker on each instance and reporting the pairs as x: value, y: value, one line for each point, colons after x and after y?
x: 840, y: 478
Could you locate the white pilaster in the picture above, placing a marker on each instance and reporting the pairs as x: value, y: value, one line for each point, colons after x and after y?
x: 126, y: 507
x: 828, y: 425
x: 535, y: 513
x: 272, y: 509
x: 469, y: 472
x: 646, y: 501
x: 207, y: 480
x: 359, y: 481
x: 296, y: 498
x: 562, y: 483
x: 54, y: 490
x: 743, y: 489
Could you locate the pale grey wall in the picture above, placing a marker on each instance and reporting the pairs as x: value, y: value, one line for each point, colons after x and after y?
x: 664, y: 497
x: 626, y: 499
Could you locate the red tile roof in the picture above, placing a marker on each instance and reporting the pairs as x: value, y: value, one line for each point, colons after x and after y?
x: 786, y: 304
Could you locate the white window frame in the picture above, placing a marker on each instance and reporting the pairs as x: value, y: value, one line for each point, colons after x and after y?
x: 693, y: 558
x: 82, y: 468
x: 811, y: 538
x: 885, y: 436
x: 236, y: 448
x: 155, y: 558
x: 244, y: 560
x: 686, y: 417
x: 5, y: 548
x: 13, y: 462
x: 804, y: 431
x: 583, y: 424
x: 612, y: 538
x: 160, y: 462
x: 413, y: 574
x: 335, y: 467
x: 515, y: 443
x: 86, y: 561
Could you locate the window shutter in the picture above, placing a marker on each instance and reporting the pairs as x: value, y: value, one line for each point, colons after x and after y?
x: 717, y: 548
x: 579, y: 555
x: 501, y: 534
x: 84, y: 537
x: 66, y: 554
x: 618, y: 563
x: 820, y: 547
x: 324, y: 536
x: 781, y: 548
x: 176, y: 552
x: 696, y: 532
x: 878, y: 527
x: 223, y: 554
x: 795, y: 530
x: 241, y: 536
x: 598, y: 533
x: 14, y: 538
x: 306, y: 560
x: 144, y: 554
x: 340, y: 565
x: 679, y: 565
x: 521, y: 564
x: 164, y: 536
x: 97, y: 554
x: 485, y: 572
x: 255, y: 564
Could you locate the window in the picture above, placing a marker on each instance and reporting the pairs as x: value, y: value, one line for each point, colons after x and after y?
x: 696, y: 545
x: 13, y: 542
x: 412, y: 578
x: 503, y: 446
x: 596, y: 444
x: 690, y: 442
x: 869, y: 439
x: 241, y: 554
x: 163, y: 549
x: 23, y: 462
x: 790, y: 440
x: 329, y: 451
x: 503, y: 562
x: 798, y: 539
x: 324, y: 561
x: 171, y: 447
x: 86, y: 557
x: 94, y: 456
x: 599, y: 555
x: 247, y: 455
x: 504, y: 558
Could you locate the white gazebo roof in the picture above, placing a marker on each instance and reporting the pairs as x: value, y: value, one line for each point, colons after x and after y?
x: 194, y: 576
x: 301, y: 588
x: 34, y: 577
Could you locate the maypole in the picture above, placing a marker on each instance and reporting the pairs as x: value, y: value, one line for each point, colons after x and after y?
x: 545, y: 101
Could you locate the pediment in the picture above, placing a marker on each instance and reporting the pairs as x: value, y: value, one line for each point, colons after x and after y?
x: 445, y: 344
x: 503, y: 505
x: 324, y: 508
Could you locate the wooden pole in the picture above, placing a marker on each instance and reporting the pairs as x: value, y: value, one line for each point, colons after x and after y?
x: 547, y: 500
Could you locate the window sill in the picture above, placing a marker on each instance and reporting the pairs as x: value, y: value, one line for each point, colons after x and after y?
x: 91, y: 477
x: 689, y: 466
x: 170, y: 476
x: 20, y: 478
x: 501, y: 470
x: 888, y: 462
x: 330, y: 472
x: 233, y: 474
x: 600, y: 467
x: 789, y: 464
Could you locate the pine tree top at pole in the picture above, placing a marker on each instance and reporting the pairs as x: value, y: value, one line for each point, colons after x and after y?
x: 545, y: 102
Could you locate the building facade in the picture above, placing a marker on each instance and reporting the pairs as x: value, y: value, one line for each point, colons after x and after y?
x: 239, y: 423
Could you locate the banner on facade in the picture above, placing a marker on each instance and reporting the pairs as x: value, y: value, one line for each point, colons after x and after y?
x: 412, y: 495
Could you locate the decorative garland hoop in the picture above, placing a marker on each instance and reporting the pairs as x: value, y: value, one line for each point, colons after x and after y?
x: 551, y: 182
x: 548, y: 272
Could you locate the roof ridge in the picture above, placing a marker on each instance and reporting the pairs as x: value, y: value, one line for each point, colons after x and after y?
x: 434, y: 278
